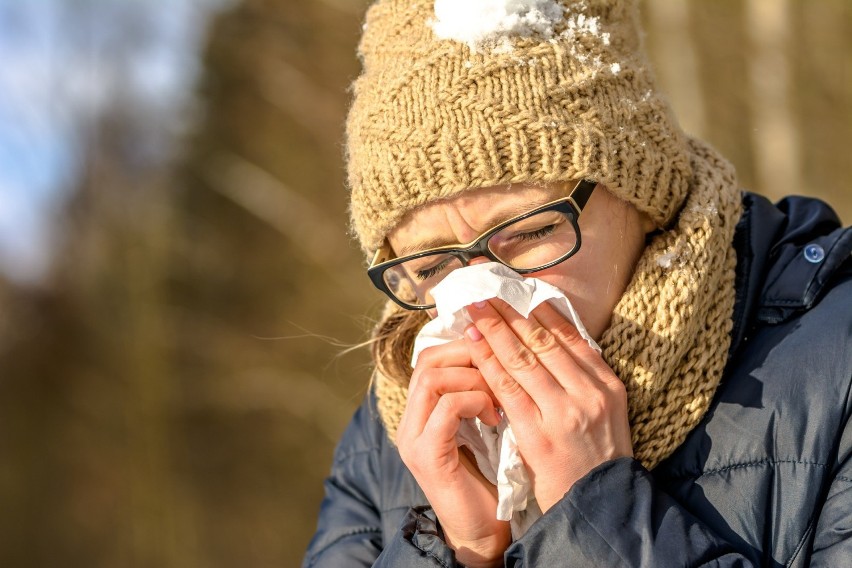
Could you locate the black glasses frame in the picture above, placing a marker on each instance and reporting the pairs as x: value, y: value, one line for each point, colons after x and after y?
x: 572, y: 205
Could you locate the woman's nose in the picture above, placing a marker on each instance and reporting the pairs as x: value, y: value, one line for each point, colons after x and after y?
x: 478, y: 260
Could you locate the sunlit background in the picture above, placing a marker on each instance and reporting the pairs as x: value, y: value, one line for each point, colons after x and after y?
x: 177, y: 285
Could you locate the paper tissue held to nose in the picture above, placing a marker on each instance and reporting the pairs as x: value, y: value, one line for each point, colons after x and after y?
x: 494, y: 448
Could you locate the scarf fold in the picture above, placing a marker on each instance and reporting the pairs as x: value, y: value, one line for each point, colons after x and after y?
x: 670, y: 333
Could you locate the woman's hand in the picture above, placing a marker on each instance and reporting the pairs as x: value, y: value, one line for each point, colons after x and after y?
x: 567, y: 408
x: 444, y: 389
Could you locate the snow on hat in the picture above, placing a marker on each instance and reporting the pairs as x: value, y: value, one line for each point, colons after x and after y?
x: 460, y: 94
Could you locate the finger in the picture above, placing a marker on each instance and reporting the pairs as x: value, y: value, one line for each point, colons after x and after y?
x: 451, y: 354
x: 515, y: 401
x: 513, y: 355
x: 569, y: 337
x: 546, y: 346
x: 443, y: 423
x: 437, y: 382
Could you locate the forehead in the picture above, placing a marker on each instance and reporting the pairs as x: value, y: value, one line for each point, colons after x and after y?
x: 462, y: 217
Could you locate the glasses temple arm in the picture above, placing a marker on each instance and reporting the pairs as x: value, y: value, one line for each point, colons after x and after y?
x: 582, y: 192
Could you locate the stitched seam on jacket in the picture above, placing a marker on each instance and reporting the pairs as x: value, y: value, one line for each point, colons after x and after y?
x: 744, y: 465
x: 353, y: 532
x: 841, y: 478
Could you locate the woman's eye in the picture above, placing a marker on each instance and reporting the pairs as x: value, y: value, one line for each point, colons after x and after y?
x: 432, y: 271
x: 537, y: 234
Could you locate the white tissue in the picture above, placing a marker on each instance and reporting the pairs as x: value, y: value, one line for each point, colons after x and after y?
x: 494, y: 448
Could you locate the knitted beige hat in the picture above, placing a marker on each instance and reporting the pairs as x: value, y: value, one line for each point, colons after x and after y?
x: 463, y: 94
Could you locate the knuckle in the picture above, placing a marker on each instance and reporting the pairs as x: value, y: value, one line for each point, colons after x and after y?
x: 426, y: 380
x: 597, y: 405
x: 580, y: 420
x: 568, y: 333
x: 617, y: 387
x: 426, y: 357
x: 619, y: 393
x: 601, y: 370
x: 490, y: 327
x: 476, y: 397
x: 544, y: 445
x: 542, y: 341
x: 520, y: 360
x: 490, y: 362
x: 578, y: 424
x: 504, y: 382
x: 448, y: 405
x: 487, y: 323
x: 603, y: 404
x: 507, y: 385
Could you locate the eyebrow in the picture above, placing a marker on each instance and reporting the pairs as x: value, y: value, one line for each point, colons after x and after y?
x: 491, y: 222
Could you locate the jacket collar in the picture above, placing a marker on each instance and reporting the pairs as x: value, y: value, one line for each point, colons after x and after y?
x: 786, y: 254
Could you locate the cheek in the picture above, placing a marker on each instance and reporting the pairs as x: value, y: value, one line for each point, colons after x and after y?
x: 585, y: 273
x: 575, y: 277
x: 580, y: 284
x: 593, y: 280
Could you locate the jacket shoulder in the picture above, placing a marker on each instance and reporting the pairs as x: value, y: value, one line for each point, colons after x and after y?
x: 789, y: 256
x: 349, y: 528
x: 365, y: 432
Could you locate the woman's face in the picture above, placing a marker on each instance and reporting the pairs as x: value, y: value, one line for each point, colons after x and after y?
x: 594, y: 279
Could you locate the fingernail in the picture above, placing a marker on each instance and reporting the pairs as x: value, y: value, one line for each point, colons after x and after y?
x: 472, y: 333
x: 480, y: 305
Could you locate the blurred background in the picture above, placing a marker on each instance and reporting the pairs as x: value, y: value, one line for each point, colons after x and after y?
x: 177, y: 287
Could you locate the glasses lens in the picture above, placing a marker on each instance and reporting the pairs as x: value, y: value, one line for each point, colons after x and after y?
x: 412, y: 281
x: 535, y: 241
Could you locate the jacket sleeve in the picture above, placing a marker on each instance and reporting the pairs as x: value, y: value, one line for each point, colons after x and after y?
x: 617, y: 516
x: 349, y: 531
x: 832, y: 539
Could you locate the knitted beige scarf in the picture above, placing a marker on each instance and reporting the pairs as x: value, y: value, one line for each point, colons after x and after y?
x: 670, y: 332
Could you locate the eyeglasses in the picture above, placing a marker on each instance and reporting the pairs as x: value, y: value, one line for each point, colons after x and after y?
x: 533, y: 241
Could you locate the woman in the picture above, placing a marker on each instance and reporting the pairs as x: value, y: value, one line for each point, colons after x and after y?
x: 712, y: 429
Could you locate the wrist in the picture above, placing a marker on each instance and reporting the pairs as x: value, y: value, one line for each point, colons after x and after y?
x: 477, y: 561
x: 486, y: 553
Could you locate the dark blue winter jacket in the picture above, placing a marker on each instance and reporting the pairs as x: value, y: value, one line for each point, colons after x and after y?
x: 764, y: 480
